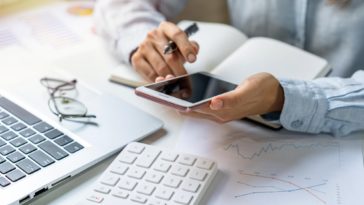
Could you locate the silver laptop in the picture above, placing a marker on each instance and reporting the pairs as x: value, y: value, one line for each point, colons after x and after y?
x: 37, y: 152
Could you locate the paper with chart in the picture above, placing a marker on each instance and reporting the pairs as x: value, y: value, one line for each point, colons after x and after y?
x: 258, y: 166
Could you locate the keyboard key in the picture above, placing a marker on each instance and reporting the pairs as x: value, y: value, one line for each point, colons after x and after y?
x: 136, y: 148
x: 127, y: 184
x: 146, y: 189
x: 110, y: 180
x: 63, y: 140
x: 120, y: 193
x: 15, y: 157
x: 41, y: 158
x: 186, y: 160
x: 15, y: 175
x: 156, y: 202
x: 9, y: 120
x: 2, y: 159
x: 53, y: 134
x: 27, y: 132
x: 2, y: 143
x: 190, y: 185
x: 95, y: 198
x: 73, y: 147
x: 3, y: 129
x: 154, y: 177
x: 19, y: 112
x: 6, y: 167
x: 4, y: 182
x: 3, y: 115
x: 172, y: 182
x: 28, y: 166
x: 182, y: 198
x: 28, y: 148
x: 18, y: 126
x: 7, y: 149
x: 9, y: 135
x: 53, y: 150
x: 17, y: 142
x: 138, y: 198
x: 163, y: 193
x: 198, y: 174
x: 43, y: 127
x: 36, y: 139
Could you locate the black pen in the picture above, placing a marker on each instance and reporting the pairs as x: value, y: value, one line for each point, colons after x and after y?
x: 172, y: 47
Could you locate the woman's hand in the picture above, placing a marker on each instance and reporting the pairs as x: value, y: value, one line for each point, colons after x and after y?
x: 259, y: 94
x: 149, y: 60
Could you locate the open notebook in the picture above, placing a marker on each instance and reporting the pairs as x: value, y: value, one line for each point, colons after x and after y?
x: 229, y: 54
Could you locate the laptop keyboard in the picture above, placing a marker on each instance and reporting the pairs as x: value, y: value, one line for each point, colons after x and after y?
x: 28, y: 144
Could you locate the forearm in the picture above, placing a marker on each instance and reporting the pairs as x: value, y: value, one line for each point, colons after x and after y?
x: 124, y: 23
x: 328, y: 105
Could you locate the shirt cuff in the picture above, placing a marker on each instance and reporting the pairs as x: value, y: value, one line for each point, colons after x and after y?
x: 305, y: 106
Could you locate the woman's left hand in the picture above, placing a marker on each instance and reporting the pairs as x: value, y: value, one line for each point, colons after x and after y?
x: 258, y: 94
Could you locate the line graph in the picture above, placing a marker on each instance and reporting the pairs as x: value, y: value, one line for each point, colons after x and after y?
x: 280, y: 186
x: 271, y: 147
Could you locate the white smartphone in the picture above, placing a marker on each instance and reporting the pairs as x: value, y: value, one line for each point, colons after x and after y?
x: 186, y: 92
x: 190, y: 91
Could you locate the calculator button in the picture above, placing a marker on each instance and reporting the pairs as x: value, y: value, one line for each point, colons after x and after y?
x: 95, y: 198
x: 186, y: 160
x: 147, y: 158
x: 190, y: 185
x: 136, y: 148
x: 127, y: 184
x: 138, y: 198
x: 146, y: 189
x: 110, y: 180
x: 171, y: 182
x: 153, y: 177
x: 119, y: 169
x: 163, y: 193
x: 136, y: 173
x: 127, y: 158
x: 168, y: 156
x: 204, y: 164
x: 103, y: 189
x: 198, y: 175
x: 162, y: 166
x: 179, y: 171
x: 182, y: 198
x: 120, y: 193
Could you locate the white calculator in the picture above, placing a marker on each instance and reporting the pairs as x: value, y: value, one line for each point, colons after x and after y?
x: 145, y: 174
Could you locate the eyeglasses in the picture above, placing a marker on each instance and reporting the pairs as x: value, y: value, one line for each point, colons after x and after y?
x: 61, y: 104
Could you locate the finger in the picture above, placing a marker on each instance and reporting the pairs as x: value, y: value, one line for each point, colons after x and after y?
x: 174, y: 60
x: 159, y: 79
x: 228, y: 100
x: 195, y: 46
x: 180, y: 38
x: 143, y: 68
x: 155, y: 60
x: 169, y: 76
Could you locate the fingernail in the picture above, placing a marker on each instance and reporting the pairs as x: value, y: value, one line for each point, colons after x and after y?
x: 216, y: 104
x: 191, y: 58
x: 169, y: 76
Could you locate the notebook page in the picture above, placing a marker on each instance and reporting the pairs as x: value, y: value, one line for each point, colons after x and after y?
x: 272, y: 56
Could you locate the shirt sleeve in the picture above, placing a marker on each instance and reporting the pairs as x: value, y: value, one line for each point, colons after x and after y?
x: 125, y: 23
x: 325, y: 105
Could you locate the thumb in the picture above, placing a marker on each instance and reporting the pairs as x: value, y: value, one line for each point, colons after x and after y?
x: 226, y: 100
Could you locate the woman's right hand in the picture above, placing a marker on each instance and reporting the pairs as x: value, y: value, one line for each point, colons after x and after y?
x: 150, y: 61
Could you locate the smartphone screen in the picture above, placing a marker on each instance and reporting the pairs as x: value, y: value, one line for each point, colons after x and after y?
x: 193, y: 88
